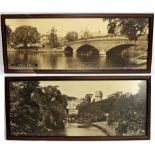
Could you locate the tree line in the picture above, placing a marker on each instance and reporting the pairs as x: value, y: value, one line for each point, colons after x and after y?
x: 36, y: 110
x: 29, y: 35
x: 132, y: 28
x: 125, y: 111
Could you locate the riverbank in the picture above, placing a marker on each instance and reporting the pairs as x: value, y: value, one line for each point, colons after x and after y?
x: 109, y: 131
x: 37, y: 50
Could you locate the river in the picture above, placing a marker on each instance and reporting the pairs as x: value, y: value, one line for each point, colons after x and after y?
x: 76, y: 129
x: 57, y: 60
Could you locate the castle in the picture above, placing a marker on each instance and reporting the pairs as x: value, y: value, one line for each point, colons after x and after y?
x: 97, y: 96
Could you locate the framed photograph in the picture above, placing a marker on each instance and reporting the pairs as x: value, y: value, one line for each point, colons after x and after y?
x: 78, y: 108
x: 77, y: 43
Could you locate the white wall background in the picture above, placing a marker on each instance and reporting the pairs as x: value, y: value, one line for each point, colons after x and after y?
x: 69, y: 147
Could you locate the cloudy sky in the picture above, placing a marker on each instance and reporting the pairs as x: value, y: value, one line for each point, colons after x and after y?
x: 62, y: 25
x: 80, y: 88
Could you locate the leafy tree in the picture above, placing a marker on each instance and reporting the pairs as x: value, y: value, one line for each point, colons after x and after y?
x: 34, y: 109
x: 26, y: 35
x: 126, y: 110
x: 112, y: 27
x: 23, y: 111
x: 52, y: 107
x: 53, y: 38
x: 69, y: 98
x: 142, y: 90
x: 133, y: 28
x: 8, y: 34
x: 72, y: 36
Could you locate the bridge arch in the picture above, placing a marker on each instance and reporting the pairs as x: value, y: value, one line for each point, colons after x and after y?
x: 117, y: 50
x: 68, y: 51
x: 87, y: 50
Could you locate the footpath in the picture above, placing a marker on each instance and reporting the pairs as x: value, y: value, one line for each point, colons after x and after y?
x: 106, y: 129
x: 102, y: 126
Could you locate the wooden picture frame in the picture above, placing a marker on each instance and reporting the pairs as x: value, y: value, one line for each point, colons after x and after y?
x: 77, y: 52
x: 26, y: 102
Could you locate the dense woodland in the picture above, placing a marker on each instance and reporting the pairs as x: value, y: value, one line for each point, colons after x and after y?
x: 34, y: 109
x: 125, y: 111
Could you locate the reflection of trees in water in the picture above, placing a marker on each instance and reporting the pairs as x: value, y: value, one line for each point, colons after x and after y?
x: 118, y: 62
x: 53, y: 60
x: 23, y: 58
x: 90, y: 62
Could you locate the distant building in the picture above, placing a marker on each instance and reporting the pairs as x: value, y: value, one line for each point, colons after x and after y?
x: 72, y: 106
x: 98, y: 96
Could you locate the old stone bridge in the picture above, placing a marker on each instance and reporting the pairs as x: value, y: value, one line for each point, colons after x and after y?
x: 98, y: 46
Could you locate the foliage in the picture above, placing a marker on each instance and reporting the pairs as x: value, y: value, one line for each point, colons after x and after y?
x: 126, y: 110
x: 35, y: 109
x: 72, y: 36
x: 8, y: 34
x: 23, y: 111
x: 112, y: 27
x: 53, y: 38
x: 90, y: 112
x: 26, y: 35
x: 133, y: 28
x: 69, y: 98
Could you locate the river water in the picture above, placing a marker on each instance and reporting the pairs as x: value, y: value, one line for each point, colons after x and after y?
x: 57, y: 60
x: 76, y: 129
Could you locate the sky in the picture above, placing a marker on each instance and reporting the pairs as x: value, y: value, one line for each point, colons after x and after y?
x: 62, y: 25
x: 81, y: 88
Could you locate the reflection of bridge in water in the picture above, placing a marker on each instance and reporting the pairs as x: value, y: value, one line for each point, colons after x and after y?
x: 109, y: 46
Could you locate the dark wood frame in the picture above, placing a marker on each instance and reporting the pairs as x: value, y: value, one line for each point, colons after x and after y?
x: 148, y: 108
x: 13, y: 16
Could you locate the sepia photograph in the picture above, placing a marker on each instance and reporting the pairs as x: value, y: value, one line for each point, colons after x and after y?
x: 86, y: 43
x: 78, y: 108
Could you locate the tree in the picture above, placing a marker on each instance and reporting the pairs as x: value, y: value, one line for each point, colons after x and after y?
x: 111, y: 27
x: 53, y: 38
x: 26, y: 35
x: 133, y: 28
x: 72, y: 36
x: 35, y: 109
x: 23, y: 111
x: 8, y: 35
x: 126, y: 110
x: 52, y: 107
x: 142, y: 89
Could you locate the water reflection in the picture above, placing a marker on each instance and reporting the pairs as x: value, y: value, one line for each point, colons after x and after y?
x: 75, y: 129
x: 54, y: 60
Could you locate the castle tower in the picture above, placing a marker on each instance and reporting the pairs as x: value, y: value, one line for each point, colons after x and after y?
x: 98, y: 96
